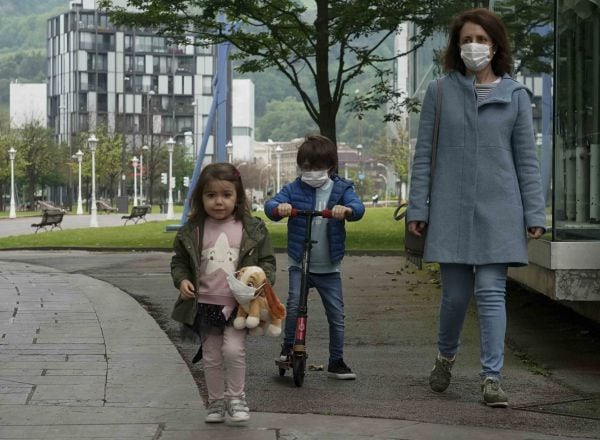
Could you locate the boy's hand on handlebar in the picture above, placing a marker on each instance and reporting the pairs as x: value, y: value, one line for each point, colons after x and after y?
x: 284, y: 210
x: 340, y: 212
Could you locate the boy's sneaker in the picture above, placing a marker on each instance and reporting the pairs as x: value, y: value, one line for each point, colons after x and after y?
x: 216, y: 412
x: 440, y: 375
x: 493, y: 394
x: 339, y: 370
x: 238, y: 410
x: 285, y: 351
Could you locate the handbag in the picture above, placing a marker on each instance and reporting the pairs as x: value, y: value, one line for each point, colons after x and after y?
x: 414, y: 246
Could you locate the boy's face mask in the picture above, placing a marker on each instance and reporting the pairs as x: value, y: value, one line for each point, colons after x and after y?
x: 316, y: 179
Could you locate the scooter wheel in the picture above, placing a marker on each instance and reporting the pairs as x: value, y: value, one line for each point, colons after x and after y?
x: 298, y: 364
x: 281, y: 372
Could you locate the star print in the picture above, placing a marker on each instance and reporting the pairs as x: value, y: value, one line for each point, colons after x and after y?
x: 220, y: 256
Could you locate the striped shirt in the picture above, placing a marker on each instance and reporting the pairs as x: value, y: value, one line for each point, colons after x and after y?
x: 483, y: 90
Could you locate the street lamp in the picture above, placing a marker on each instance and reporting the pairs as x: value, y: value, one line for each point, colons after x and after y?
x: 229, y: 148
x: 385, y: 179
x: 79, y: 156
x: 389, y: 177
x: 92, y: 142
x: 278, y: 151
x: 170, y: 146
x: 144, y: 148
x: 260, y: 178
x: 11, y: 154
x: 134, y: 163
x: 359, y: 148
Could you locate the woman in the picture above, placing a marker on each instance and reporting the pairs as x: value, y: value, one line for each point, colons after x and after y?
x: 486, y: 194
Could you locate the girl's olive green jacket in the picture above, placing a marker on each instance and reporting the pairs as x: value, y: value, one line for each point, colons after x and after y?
x: 255, y: 250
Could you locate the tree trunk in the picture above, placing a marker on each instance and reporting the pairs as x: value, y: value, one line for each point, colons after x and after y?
x: 327, y: 110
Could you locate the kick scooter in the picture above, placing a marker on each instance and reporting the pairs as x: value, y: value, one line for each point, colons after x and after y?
x: 296, y: 359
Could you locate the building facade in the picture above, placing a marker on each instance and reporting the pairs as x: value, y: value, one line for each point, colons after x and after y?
x: 130, y: 81
x: 566, y: 111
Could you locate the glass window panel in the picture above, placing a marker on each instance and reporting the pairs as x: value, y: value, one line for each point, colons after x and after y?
x: 576, y: 213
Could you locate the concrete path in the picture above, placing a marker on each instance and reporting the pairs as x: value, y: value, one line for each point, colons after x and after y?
x: 80, y: 359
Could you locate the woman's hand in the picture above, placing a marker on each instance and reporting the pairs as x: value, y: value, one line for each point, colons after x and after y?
x: 535, y: 232
x: 340, y: 212
x: 417, y: 228
x: 186, y: 289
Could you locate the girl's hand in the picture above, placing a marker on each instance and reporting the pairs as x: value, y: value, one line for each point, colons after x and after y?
x: 186, y: 289
x: 284, y: 209
x: 535, y: 232
x: 340, y: 212
x: 417, y: 228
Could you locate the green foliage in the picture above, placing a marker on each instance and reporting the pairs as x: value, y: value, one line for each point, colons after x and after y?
x: 285, y: 119
x: 301, y: 44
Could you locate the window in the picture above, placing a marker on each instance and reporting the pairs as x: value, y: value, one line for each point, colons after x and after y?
x: 128, y: 43
x: 86, y: 41
x: 184, y: 124
x: 102, y: 105
x: 185, y: 64
x: 207, y: 85
x: 83, y: 102
x: 159, y: 45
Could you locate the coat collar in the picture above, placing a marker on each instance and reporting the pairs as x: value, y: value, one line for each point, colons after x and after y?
x: 503, y: 93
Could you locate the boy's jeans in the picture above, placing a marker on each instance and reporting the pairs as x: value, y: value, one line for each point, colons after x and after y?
x: 329, y: 286
x: 488, y: 283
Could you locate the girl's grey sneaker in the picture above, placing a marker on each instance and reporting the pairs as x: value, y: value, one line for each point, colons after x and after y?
x: 238, y: 410
x: 216, y: 412
x: 339, y: 370
x: 440, y: 375
x: 493, y: 394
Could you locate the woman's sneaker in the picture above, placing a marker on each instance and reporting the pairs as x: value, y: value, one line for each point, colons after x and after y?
x: 216, y: 412
x: 440, y: 375
x: 238, y: 410
x: 493, y: 394
x: 339, y: 370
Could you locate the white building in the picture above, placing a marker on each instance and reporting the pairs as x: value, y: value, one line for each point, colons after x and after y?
x: 243, y: 120
x: 27, y: 104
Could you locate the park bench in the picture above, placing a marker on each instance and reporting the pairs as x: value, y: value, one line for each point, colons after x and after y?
x: 50, y: 217
x: 137, y: 213
x: 47, y: 206
x: 101, y: 205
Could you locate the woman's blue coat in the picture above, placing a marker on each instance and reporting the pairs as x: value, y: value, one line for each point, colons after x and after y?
x: 486, y: 183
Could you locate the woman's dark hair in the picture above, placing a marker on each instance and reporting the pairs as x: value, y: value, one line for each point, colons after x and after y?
x: 317, y: 151
x: 210, y: 173
x: 493, y: 25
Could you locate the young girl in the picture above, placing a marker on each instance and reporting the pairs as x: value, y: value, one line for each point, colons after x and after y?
x: 219, y: 237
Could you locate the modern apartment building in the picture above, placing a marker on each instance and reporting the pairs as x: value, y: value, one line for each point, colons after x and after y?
x: 131, y: 81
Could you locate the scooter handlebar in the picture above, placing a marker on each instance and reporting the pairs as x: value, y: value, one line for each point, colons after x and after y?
x: 325, y: 213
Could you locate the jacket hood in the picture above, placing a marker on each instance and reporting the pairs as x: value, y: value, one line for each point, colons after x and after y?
x: 503, y: 93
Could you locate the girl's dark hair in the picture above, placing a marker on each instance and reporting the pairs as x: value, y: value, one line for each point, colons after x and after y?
x: 210, y: 173
x: 493, y: 25
x: 317, y: 151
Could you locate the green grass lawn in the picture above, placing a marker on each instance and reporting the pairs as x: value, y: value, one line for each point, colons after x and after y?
x: 376, y: 231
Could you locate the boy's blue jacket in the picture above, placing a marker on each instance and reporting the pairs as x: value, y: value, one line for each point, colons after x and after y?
x: 303, y: 196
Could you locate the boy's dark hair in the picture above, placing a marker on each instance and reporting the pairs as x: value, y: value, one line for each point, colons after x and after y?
x: 319, y: 152
x: 218, y: 171
x: 493, y: 25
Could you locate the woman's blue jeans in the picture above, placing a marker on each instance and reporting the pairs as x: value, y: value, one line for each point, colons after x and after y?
x: 329, y: 286
x: 488, y: 283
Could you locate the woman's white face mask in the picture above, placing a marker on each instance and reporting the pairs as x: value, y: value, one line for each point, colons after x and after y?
x: 316, y: 179
x: 476, y: 56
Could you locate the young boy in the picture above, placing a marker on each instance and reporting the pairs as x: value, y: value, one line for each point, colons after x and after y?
x: 318, y: 188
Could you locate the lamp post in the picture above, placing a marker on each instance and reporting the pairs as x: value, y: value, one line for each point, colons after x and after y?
x: 144, y: 148
x: 278, y: 151
x: 389, y: 177
x: 79, y: 156
x: 92, y: 142
x: 11, y: 154
x: 229, y: 148
x: 385, y: 179
x: 170, y: 146
x: 134, y: 163
x: 361, y: 176
x: 260, y: 178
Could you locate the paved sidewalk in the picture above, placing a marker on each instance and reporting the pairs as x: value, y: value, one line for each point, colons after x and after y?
x: 80, y: 359
x: 22, y: 225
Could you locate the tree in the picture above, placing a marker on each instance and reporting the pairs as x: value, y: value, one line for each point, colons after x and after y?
x: 283, y: 120
x: 286, y: 35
